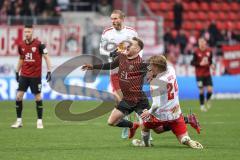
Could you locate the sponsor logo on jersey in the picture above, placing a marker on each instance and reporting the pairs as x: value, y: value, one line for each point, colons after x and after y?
x: 131, y: 67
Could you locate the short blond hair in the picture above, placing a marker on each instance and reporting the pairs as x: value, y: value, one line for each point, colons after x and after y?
x: 119, y: 12
x: 160, y: 61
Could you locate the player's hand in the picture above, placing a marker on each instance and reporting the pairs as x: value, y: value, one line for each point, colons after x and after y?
x: 213, y: 67
x: 48, y: 76
x: 149, y: 76
x: 114, y: 53
x: 17, y: 76
x: 145, y: 115
x: 87, y: 67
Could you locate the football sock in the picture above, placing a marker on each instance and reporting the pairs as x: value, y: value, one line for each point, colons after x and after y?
x: 201, y: 99
x: 39, y: 109
x: 209, y: 94
x: 125, y: 123
x: 186, y: 120
x: 145, y: 137
x: 19, y: 108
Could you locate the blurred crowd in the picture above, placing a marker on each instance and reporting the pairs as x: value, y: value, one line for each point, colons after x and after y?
x: 179, y: 43
x: 45, y: 8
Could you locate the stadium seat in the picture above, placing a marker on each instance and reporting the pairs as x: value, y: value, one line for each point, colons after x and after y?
x: 222, y: 16
x: 234, y: 6
x: 163, y: 6
x: 194, y: 6
x: 154, y: 6
x: 233, y: 16
x: 221, y: 25
x: 225, y: 7
x: 188, y: 25
x: 204, y: 6
x: 191, y: 15
x: 215, y: 7
x: 202, y: 16
x: 212, y: 16
x: 238, y: 26
x: 170, y: 16
x: 230, y: 25
x: 198, y: 25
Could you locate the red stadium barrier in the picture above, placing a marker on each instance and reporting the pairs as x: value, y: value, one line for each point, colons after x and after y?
x: 58, y: 39
x: 232, y: 58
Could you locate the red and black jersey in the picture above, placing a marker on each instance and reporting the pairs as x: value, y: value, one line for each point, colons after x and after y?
x: 31, y: 54
x: 131, y: 76
x: 199, y: 57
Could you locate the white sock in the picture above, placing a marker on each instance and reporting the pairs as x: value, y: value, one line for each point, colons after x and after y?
x: 19, y: 119
x: 185, y: 139
x: 39, y: 121
x: 146, y: 137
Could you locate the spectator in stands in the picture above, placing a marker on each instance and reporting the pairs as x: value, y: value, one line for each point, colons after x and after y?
x: 178, y: 14
x: 104, y: 7
x: 3, y: 14
x: 168, y: 38
x: 181, y: 40
x: 214, y: 34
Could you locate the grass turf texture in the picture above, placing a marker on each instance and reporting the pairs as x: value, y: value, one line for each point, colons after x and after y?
x: 95, y: 140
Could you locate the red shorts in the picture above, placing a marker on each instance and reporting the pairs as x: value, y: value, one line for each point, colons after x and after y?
x: 177, y: 126
x: 114, y: 82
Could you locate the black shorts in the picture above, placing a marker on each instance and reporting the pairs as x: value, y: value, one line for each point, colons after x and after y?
x: 127, y: 109
x: 34, y: 84
x: 204, y: 81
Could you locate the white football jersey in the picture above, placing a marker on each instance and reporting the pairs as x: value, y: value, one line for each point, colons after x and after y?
x: 164, y: 88
x: 112, y: 37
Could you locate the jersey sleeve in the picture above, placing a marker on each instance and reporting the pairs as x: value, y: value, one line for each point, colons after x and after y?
x: 157, y: 89
x: 43, y: 49
x: 103, y: 44
x: 108, y: 66
x: 194, y: 61
x: 20, y: 52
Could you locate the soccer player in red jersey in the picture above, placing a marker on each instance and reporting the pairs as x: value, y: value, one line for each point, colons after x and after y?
x: 202, y: 60
x: 28, y: 73
x: 131, y: 77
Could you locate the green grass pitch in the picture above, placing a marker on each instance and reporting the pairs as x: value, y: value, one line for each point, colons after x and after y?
x: 93, y: 139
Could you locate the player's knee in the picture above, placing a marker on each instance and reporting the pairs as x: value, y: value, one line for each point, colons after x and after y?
x: 38, y: 97
x: 19, y: 97
x: 110, y: 123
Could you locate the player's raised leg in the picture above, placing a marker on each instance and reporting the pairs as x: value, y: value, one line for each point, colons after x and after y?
x: 19, y: 108
x: 116, y: 119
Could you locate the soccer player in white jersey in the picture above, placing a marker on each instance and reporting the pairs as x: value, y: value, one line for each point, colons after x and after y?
x: 165, y: 110
x: 111, y: 37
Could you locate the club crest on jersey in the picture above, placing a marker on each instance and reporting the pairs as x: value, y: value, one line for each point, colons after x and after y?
x: 131, y: 67
x: 208, y: 54
x: 34, y: 49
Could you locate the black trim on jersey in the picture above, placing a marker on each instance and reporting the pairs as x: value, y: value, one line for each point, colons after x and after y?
x: 107, y: 66
x: 41, y: 48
